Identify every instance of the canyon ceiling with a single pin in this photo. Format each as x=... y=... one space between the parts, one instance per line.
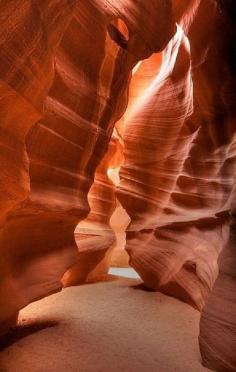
x=126 y=107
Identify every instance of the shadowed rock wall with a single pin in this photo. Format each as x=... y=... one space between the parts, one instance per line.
x=65 y=70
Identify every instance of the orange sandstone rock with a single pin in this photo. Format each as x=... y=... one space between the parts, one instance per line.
x=65 y=70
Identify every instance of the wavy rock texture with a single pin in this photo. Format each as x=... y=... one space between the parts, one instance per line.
x=218 y=320
x=179 y=167
x=179 y=172
x=94 y=235
x=142 y=75
x=30 y=33
x=65 y=71
x=89 y=75
x=217 y=326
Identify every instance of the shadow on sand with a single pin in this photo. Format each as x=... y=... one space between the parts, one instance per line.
x=23 y=330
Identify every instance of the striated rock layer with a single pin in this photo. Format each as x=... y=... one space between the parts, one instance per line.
x=94 y=236
x=218 y=320
x=67 y=71
x=84 y=52
x=29 y=36
x=179 y=167
x=217 y=325
x=179 y=172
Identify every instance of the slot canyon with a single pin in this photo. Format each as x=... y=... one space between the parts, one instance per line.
x=117 y=185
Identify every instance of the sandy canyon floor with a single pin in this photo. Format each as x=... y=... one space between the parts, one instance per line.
x=114 y=326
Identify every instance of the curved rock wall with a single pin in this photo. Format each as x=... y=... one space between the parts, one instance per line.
x=67 y=71
x=179 y=172
x=179 y=168
x=84 y=51
x=217 y=326
x=94 y=235
x=29 y=36
x=218 y=320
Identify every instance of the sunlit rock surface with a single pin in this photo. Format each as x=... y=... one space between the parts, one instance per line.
x=94 y=235
x=179 y=171
x=179 y=163
x=71 y=184
x=65 y=70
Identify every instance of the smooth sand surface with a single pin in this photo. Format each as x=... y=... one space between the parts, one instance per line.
x=113 y=326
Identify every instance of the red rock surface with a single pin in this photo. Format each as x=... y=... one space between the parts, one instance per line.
x=30 y=34
x=179 y=172
x=217 y=325
x=175 y=157
x=65 y=70
x=94 y=236
x=69 y=72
